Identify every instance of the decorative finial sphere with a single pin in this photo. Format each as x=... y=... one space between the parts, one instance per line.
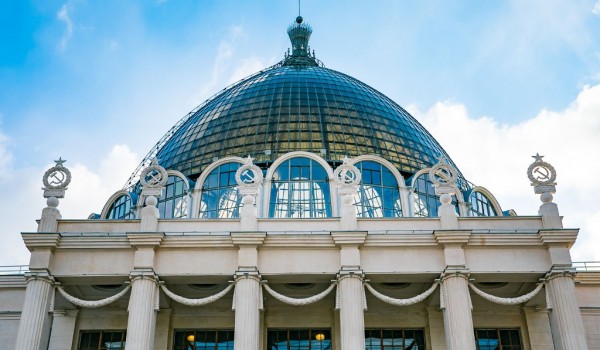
x=248 y=200
x=299 y=19
x=446 y=198
x=348 y=200
x=546 y=197
x=52 y=202
x=151 y=200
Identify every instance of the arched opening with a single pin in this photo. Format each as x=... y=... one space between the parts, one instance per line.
x=173 y=202
x=122 y=208
x=300 y=189
x=480 y=205
x=378 y=194
x=220 y=197
x=425 y=202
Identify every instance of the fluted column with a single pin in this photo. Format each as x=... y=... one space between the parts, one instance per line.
x=458 y=320
x=565 y=311
x=247 y=306
x=142 y=311
x=351 y=301
x=35 y=319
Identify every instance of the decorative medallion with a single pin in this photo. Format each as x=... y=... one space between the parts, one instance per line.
x=56 y=180
x=249 y=175
x=153 y=178
x=347 y=174
x=443 y=176
x=542 y=175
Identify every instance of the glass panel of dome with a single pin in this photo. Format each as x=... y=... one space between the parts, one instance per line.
x=220 y=198
x=378 y=194
x=173 y=202
x=299 y=190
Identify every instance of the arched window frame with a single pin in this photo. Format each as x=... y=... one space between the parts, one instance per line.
x=458 y=198
x=114 y=198
x=489 y=196
x=404 y=201
x=165 y=198
x=197 y=195
x=298 y=154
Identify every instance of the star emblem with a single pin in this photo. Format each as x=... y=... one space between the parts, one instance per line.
x=537 y=157
x=249 y=160
x=60 y=161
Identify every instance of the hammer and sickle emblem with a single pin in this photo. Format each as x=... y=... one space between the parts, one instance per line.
x=153 y=177
x=543 y=173
x=247 y=176
x=348 y=176
x=57 y=178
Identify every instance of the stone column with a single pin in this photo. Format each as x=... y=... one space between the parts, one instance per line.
x=455 y=298
x=63 y=329
x=458 y=320
x=247 y=302
x=351 y=300
x=247 y=308
x=35 y=319
x=565 y=311
x=141 y=322
x=351 y=297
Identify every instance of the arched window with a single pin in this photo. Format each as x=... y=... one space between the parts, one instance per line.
x=121 y=208
x=378 y=194
x=173 y=202
x=480 y=205
x=220 y=198
x=426 y=203
x=300 y=189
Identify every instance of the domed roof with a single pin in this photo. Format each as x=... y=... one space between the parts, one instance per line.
x=297 y=105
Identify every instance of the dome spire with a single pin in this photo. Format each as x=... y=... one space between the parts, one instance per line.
x=299 y=33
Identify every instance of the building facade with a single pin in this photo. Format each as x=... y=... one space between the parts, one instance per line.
x=300 y=209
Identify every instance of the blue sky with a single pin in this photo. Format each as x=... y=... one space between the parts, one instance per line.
x=99 y=82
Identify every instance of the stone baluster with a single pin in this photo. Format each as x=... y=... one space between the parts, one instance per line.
x=34 y=325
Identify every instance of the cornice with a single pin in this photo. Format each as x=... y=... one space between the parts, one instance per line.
x=562 y=237
x=248 y=238
x=346 y=238
x=452 y=237
x=40 y=240
x=145 y=239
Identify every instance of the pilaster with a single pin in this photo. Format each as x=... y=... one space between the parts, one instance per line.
x=63 y=329
x=538 y=328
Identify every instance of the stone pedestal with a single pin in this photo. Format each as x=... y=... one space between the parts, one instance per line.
x=352 y=318
x=565 y=314
x=142 y=312
x=247 y=307
x=35 y=318
x=458 y=319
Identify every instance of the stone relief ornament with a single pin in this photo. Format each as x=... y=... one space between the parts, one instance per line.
x=56 y=180
x=443 y=176
x=347 y=175
x=249 y=175
x=542 y=175
x=153 y=178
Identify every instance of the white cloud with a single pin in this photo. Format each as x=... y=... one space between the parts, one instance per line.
x=496 y=156
x=596 y=9
x=23 y=202
x=63 y=16
x=247 y=67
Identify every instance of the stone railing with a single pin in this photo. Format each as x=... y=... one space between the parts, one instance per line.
x=587 y=266
x=14 y=269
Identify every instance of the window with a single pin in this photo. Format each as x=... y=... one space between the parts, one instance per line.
x=220 y=198
x=299 y=339
x=102 y=340
x=498 y=339
x=173 y=202
x=394 y=339
x=300 y=190
x=480 y=205
x=203 y=339
x=121 y=208
x=426 y=202
x=378 y=194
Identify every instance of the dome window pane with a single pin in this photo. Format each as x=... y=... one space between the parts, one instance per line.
x=300 y=189
x=425 y=201
x=220 y=197
x=378 y=194
x=480 y=205
x=173 y=202
x=121 y=209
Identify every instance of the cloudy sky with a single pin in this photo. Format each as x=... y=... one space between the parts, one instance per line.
x=99 y=82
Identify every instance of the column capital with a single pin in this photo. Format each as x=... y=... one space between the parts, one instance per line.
x=455 y=271
x=452 y=237
x=248 y=238
x=349 y=272
x=145 y=239
x=562 y=238
x=560 y=271
x=349 y=238
x=148 y=274
x=41 y=274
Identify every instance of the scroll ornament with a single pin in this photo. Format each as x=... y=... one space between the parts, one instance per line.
x=299 y=301
x=402 y=302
